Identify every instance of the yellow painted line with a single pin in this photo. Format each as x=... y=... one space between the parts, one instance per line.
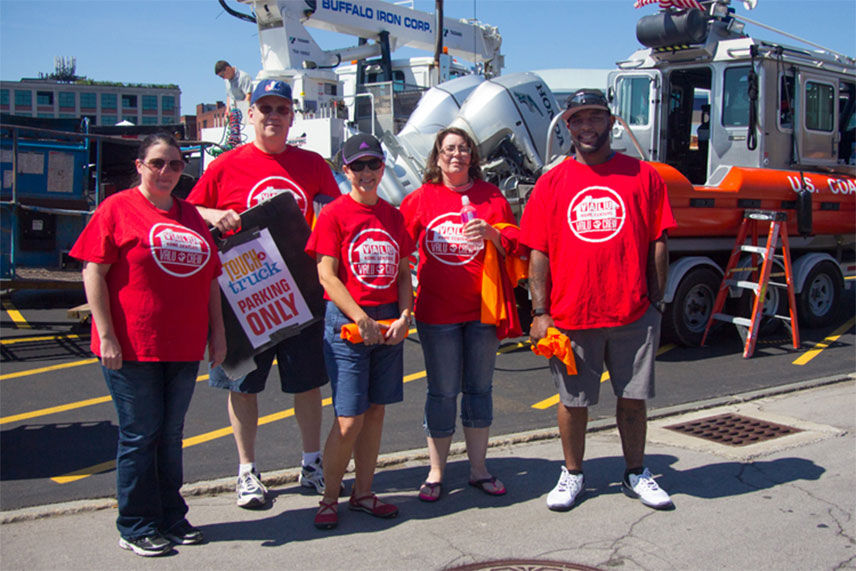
x=554 y=400
x=84 y=472
x=547 y=403
x=414 y=376
x=34 y=339
x=47 y=369
x=514 y=347
x=65 y=407
x=199 y=439
x=827 y=341
x=15 y=315
x=54 y=409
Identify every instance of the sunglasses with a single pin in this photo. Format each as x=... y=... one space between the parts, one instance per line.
x=158 y=164
x=373 y=164
x=268 y=109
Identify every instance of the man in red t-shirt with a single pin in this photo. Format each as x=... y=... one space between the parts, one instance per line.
x=236 y=181
x=597 y=227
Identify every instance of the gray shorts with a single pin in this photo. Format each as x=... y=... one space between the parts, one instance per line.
x=628 y=351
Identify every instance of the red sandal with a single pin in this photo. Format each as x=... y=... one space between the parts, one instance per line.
x=377 y=508
x=327 y=516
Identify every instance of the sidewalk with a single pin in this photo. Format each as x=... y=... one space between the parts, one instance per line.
x=785 y=504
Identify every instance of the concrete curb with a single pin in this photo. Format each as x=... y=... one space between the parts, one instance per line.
x=289 y=476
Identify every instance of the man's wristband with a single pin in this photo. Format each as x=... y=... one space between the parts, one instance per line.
x=539 y=311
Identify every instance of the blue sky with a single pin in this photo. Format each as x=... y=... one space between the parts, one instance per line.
x=178 y=41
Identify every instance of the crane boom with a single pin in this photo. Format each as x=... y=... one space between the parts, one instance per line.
x=286 y=44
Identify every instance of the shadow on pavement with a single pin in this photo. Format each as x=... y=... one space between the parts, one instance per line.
x=34 y=451
x=525 y=478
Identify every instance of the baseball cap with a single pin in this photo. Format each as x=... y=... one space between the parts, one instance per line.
x=275 y=87
x=585 y=99
x=359 y=146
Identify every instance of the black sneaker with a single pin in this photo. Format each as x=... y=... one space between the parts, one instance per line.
x=149 y=546
x=183 y=533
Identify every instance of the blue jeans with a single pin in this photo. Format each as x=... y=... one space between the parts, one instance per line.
x=459 y=358
x=151 y=399
x=362 y=375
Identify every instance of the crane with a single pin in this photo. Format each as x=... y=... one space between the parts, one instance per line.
x=287 y=45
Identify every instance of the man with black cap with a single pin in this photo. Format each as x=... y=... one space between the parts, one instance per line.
x=597 y=224
x=234 y=182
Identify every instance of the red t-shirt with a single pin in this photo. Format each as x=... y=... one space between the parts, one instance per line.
x=450 y=268
x=246 y=176
x=368 y=241
x=161 y=267
x=596 y=223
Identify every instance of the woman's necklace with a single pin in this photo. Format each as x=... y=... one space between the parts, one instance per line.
x=462 y=188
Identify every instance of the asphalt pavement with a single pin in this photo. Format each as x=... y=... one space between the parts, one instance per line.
x=786 y=503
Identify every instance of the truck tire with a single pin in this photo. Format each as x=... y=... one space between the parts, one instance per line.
x=818 y=302
x=687 y=315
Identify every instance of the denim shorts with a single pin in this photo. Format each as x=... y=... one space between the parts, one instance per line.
x=299 y=359
x=459 y=358
x=628 y=352
x=362 y=375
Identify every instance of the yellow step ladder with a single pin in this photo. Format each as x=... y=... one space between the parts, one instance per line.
x=760 y=277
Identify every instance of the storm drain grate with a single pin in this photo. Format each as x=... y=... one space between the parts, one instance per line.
x=734 y=429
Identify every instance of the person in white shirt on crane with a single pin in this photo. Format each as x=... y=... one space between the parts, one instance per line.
x=239 y=84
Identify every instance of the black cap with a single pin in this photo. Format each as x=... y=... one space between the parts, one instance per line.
x=585 y=99
x=359 y=146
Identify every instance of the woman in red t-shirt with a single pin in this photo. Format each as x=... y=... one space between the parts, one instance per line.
x=362 y=247
x=149 y=271
x=460 y=350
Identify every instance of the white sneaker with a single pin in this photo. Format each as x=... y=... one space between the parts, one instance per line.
x=312 y=476
x=644 y=487
x=251 y=491
x=563 y=496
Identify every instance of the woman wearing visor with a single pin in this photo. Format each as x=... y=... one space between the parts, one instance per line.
x=362 y=247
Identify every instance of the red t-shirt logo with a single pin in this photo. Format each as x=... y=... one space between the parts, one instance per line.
x=177 y=250
x=596 y=214
x=373 y=258
x=272 y=186
x=444 y=240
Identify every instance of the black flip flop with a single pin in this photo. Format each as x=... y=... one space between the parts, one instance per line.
x=480 y=484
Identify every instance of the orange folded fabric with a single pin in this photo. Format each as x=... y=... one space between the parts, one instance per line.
x=351 y=331
x=498 y=306
x=556 y=344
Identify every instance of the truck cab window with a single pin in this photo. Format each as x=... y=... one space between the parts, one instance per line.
x=735 y=97
x=819 y=106
x=634 y=99
x=847 y=122
x=786 y=102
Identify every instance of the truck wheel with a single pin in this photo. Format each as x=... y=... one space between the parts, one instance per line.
x=686 y=317
x=821 y=294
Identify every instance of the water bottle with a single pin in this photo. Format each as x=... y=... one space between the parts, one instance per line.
x=468 y=212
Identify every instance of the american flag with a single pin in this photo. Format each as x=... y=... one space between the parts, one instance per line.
x=679 y=4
